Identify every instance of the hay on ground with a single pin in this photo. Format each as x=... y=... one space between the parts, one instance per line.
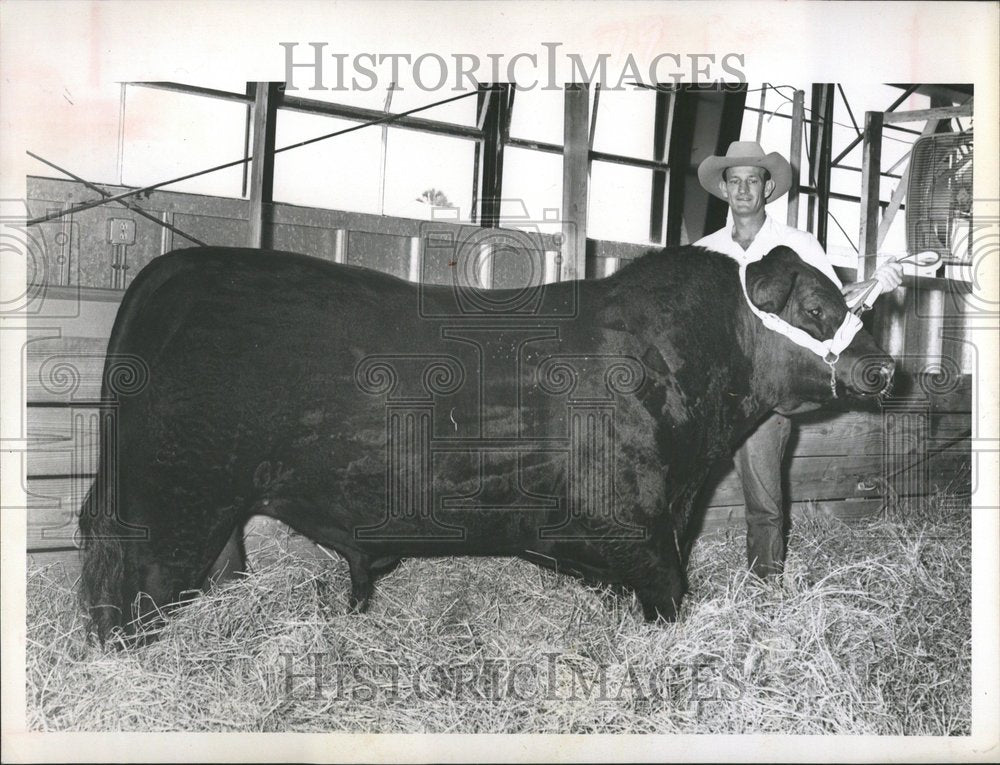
x=868 y=633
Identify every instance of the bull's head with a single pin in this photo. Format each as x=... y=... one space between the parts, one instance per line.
x=790 y=373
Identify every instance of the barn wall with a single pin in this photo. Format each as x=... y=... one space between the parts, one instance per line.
x=846 y=463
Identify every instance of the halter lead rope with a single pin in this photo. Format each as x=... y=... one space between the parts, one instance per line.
x=828 y=350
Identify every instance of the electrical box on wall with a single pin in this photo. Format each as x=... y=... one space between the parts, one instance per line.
x=121 y=231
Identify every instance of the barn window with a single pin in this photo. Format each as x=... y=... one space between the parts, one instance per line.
x=167 y=134
x=627 y=189
x=532 y=190
x=339 y=174
x=425 y=173
x=537 y=116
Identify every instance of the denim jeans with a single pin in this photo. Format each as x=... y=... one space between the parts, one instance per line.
x=759 y=463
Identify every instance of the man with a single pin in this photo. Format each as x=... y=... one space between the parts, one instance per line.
x=747 y=179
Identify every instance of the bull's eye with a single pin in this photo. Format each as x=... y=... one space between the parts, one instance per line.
x=816 y=313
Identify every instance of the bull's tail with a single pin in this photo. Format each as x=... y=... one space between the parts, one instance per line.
x=103 y=578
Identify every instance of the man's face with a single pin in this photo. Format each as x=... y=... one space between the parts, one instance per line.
x=746 y=189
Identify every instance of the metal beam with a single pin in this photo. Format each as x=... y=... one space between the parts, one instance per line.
x=847 y=105
x=658 y=192
x=891 y=308
x=906 y=94
x=854 y=142
x=899 y=193
x=822 y=130
x=870 y=178
x=825 y=166
x=495 y=126
x=262 y=162
x=955 y=93
x=576 y=172
x=383 y=154
x=810 y=191
x=815 y=104
x=361 y=114
x=761 y=111
x=795 y=157
x=938 y=113
x=884 y=174
x=600 y=156
x=593 y=116
x=482 y=103
x=772 y=113
x=194 y=90
x=247 y=135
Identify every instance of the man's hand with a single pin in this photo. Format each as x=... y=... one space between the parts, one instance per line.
x=889 y=275
x=886 y=278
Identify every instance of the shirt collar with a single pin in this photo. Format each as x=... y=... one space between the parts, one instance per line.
x=765 y=234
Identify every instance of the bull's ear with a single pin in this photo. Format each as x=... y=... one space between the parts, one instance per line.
x=770 y=283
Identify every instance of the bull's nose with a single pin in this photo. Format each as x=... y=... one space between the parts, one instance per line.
x=872 y=376
x=886 y=371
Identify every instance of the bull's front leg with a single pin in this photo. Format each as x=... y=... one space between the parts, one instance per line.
x=661 y=581
x=654 y=572
x=660 y=588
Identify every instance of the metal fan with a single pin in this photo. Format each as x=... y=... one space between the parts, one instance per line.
x=939 y=197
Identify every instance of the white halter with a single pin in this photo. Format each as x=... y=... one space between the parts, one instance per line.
x=828 y=350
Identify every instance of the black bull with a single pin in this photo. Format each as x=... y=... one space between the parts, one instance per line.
x=571 y=424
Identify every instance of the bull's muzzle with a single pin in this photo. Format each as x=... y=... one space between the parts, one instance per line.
x=872 y=376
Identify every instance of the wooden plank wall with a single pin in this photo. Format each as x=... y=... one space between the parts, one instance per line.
x=846 y=463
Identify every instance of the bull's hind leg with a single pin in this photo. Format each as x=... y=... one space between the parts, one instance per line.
x=362 y=581
x=364 y=571
x=312 y=522
x=382 y=566
x=231 y=561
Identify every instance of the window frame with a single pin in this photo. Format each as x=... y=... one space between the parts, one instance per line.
x=491 y=134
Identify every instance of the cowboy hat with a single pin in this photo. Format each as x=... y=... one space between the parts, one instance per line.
x=745 y=154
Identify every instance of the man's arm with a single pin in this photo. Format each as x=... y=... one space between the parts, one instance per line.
x=888 y=276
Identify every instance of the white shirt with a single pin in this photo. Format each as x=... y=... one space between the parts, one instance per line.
x=772 y=234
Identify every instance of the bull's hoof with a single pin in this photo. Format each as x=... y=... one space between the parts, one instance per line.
x=662 y=613
x=357 y=605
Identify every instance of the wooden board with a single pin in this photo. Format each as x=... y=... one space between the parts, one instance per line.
x=813 y=478
x=64 y=440
x=732 y=517
x=56 y=493
x=864 y=433
x=69 y=317
x=52 y=528
x=63 y=376
x=62 y=567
